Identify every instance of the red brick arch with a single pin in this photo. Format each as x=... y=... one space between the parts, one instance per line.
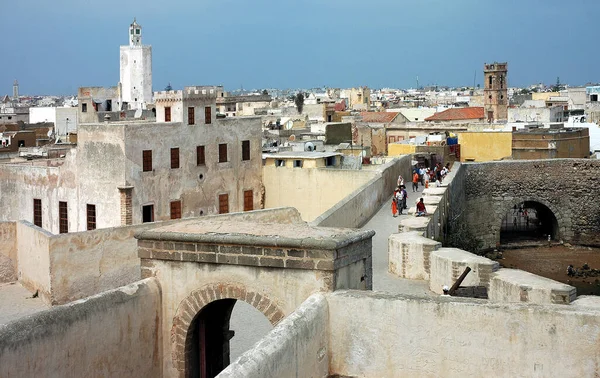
x=197 y=299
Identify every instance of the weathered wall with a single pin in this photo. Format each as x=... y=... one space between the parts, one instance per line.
x=113 y=334
x=8 y=252
x=311 y=191
x=358 y=207
x=485 y=145
x=296 y=347
x=451 y=337
x=565 y=186
x=33 y=246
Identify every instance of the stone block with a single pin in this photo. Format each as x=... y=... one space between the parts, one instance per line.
x=184 y=247
x=207 y=257
x=248 y=250
x=514 y=285
x=419 y=224
x=277 y=252
x=230 y=249
x=271 y=262
x=409 y=255
x=447 y=264
x=207 y=248
x=248 y=260
x=434 y=191
x=299 y=264
x=295 y=253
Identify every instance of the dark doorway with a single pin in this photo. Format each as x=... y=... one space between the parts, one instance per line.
x=207 y=353
x=528 y=221
x=147 y=213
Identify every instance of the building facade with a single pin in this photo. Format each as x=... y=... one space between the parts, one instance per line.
x=495 y=91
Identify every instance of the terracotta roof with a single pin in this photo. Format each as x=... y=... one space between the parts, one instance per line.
x=378 y=117
x=455 y=114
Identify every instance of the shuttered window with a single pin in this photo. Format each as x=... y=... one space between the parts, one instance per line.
x=223 y=203
x=248 y=200
x=63 y=217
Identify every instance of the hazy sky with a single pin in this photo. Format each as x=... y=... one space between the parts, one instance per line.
x=54 y=47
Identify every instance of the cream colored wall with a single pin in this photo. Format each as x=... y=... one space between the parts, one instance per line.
x=311 y=191
x=543 y=95
x=8 y=252
x=395 y=149
x=485 y=146
x=33 y=245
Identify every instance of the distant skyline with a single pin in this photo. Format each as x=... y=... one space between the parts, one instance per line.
x=55 y=47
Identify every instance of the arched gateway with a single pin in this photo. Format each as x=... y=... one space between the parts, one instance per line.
x=204 y=266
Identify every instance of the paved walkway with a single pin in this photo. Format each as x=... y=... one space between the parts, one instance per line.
x=384 y=225
x=16 y=301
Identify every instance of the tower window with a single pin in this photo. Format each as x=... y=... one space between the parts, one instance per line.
x=91 y=217
x=83 y=108
x=167 y=114
x=137 y=31
x=131 y=31
x=63 y=217
x=490 y=80
x=37 y=212
x=200 y=157
x=191 y=115
x=207 y=115
x=246 y=150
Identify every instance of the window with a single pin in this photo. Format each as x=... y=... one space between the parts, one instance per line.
x=223 y=203
x=21 y=143
x=191 y=116
x=131 y=31
x=9 y=117
x=297 y=163
x=490 y=80
x=137 y=31
x=175 y=209
x=330 y=161
x=245 y=150
x=391 y=139
x=147 y=160
x=167 y=114
x=222 y=153
x=63 y=218
x=37 y=212
x=91 y=217
x=147 y=213
x=248 y=200
x=200 y=158
x=207 y=115
x=280 y=163
x=174 y=158
x=83 y=108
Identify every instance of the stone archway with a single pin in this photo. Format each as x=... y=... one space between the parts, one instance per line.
x=563 y=218
x=181 y=340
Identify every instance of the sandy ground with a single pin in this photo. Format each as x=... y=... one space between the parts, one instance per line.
x=552 y=262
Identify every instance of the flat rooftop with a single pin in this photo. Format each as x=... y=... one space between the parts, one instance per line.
x=300 y=155
x=17 y=302
x=299 y=235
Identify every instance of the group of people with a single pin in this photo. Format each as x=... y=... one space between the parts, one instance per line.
x=419 y=175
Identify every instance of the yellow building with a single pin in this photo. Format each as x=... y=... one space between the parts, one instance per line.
x=395 y=149
x=544 y=96
x=485 y=145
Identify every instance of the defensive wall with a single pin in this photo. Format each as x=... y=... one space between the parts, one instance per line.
x=113 y=334
x=355 y=209
x=67 y=267
x=426 y=337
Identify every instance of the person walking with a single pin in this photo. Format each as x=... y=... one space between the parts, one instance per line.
x=400 y=199
x=404 y=197
x=415 y=181
x=395 y=203
x=400 y=180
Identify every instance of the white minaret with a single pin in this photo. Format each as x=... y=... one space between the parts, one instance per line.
x=136 y=70
x=16 y=91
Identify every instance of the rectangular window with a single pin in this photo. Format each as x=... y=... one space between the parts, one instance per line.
x=248 y=200
x=207 y=115
x=222 y=152
x=223 y=203
x=167 y=114
x=280 y=163
x=147 y=160
x=191 y=115
x=91 y=217
x=245 y=150
x=391 y=139
x=297 y=163
x=174 y=158
x=175 y=209
x=37 y=212
x=147 y=213
x=330 y=161
x=200 y=157
x=83 y=108
x=63 y=217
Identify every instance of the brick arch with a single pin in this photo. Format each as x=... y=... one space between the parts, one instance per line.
x=190 y=306
x=563 y=216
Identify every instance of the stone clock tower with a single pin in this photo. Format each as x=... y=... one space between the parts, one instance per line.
x=495 y=93
x=136 y=71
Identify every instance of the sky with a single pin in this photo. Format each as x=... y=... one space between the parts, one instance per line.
x=54 y=47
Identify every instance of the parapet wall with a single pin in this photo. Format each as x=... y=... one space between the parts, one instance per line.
x=458 y=337
x=360 y=205
x=113 y=334
x=8 y=252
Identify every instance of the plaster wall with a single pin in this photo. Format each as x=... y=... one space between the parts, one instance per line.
x=33 y=246
x=409 y=255
x=452 y=337
x=485 y=145
x=287 y=289
x=296 y=347
x=358 y=207
x=311 y=191
x=113 y=334
x=447 y=264
x=66 y=120
x=8 y=252
x=39 y=114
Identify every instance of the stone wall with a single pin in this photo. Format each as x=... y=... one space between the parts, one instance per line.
x=456 y=337
x=565 y=186
x=8 y=252
x=113 y=334
x=358 y=207
x=33 y=256
x=296 y=347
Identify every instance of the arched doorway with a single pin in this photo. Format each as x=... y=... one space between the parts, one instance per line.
x=201 y=332
x=528 y=221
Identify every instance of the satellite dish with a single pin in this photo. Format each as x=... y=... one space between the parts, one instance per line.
x=292 y=138
x=309 y=146
x=50 y=132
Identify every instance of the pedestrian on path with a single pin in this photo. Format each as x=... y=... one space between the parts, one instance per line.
x=404 y=197
x=415 y=180
x=395 y=203
x=400 y=181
